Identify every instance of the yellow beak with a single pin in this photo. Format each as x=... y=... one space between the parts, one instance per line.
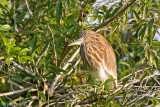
x=77 y=42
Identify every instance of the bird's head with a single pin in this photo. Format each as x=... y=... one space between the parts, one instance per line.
x=82 y=36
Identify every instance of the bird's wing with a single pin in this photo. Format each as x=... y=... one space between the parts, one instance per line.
x=109 y=60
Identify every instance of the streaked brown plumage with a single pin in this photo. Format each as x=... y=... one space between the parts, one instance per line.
x=98 y=55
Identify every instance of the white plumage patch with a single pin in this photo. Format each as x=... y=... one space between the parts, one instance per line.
x=110 y=74
x=104 y=74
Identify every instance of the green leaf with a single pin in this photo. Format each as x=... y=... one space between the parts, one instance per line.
x=27 y=78
x=142 y=32
x=150 y=25
x=8 y=60
x=12 y=42
x=5 y=40
x=59 y=8
x=5 y=28
x=42 y=95
x=24 y=58
x=48 y=76
x=23 y=51
x=56 y=69
x=3 y=100
x=59 y=11
x=136 y=16
x=124 y=73
x=109 y=99
x=17 y=80
x=139 y=63
x=2 y=57
x=153 y=102
x=143 y=76
x=27 y=58
x=106 y=83
x=109 y=80
x=158 y=100
x=144 y=12
x=10 y=56
x=155 y=62
x=155 y=44
x=125 y=63
x=72 y=20
x=15 y=49
x=71 y=30
x=66 y=21
x=117 y=52
x=16 y=100
x=107 y=87
x=33 y=45
x=147 y=53
x=47 y=62
x=29 y=32
x=32 y=90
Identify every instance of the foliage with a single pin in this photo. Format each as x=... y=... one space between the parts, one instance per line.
x=36 y=34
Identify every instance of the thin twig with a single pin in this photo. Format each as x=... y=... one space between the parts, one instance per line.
x=156 y=81
x=77 y=62
x=16 y=92
x=54 y=47
x=64 y=53
x=23 y=69
x=133 y=73
x=52 y=87
x=11 y=82
x=42 y=54
x=69 y=87
x=70 y=71
x=30 y=12
x=74 y=92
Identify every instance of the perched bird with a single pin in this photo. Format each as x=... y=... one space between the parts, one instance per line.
x=98 y=56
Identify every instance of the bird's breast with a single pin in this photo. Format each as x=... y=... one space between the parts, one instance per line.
x=92 y=53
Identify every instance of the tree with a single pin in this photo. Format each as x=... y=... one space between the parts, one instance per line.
x=37 y=61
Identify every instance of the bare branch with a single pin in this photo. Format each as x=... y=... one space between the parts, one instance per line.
x=23 y=69
x=42 y=54
x=64 y=53
x=30 y=12
x=70 y=71
x=75 y=92
x=11 y=82
x=15 y=92
x=52 y=88
x=71 y=59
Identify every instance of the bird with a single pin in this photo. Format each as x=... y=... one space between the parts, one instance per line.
x=98 y=56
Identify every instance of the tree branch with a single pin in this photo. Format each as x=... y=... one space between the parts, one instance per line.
x=52 y=87
x=29 y=11
x=64 y=53
x=16 y=92
x=42 y=54
x=23 y=69
x=114 y=17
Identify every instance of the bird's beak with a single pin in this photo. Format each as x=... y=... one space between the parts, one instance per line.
x=77 y=42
